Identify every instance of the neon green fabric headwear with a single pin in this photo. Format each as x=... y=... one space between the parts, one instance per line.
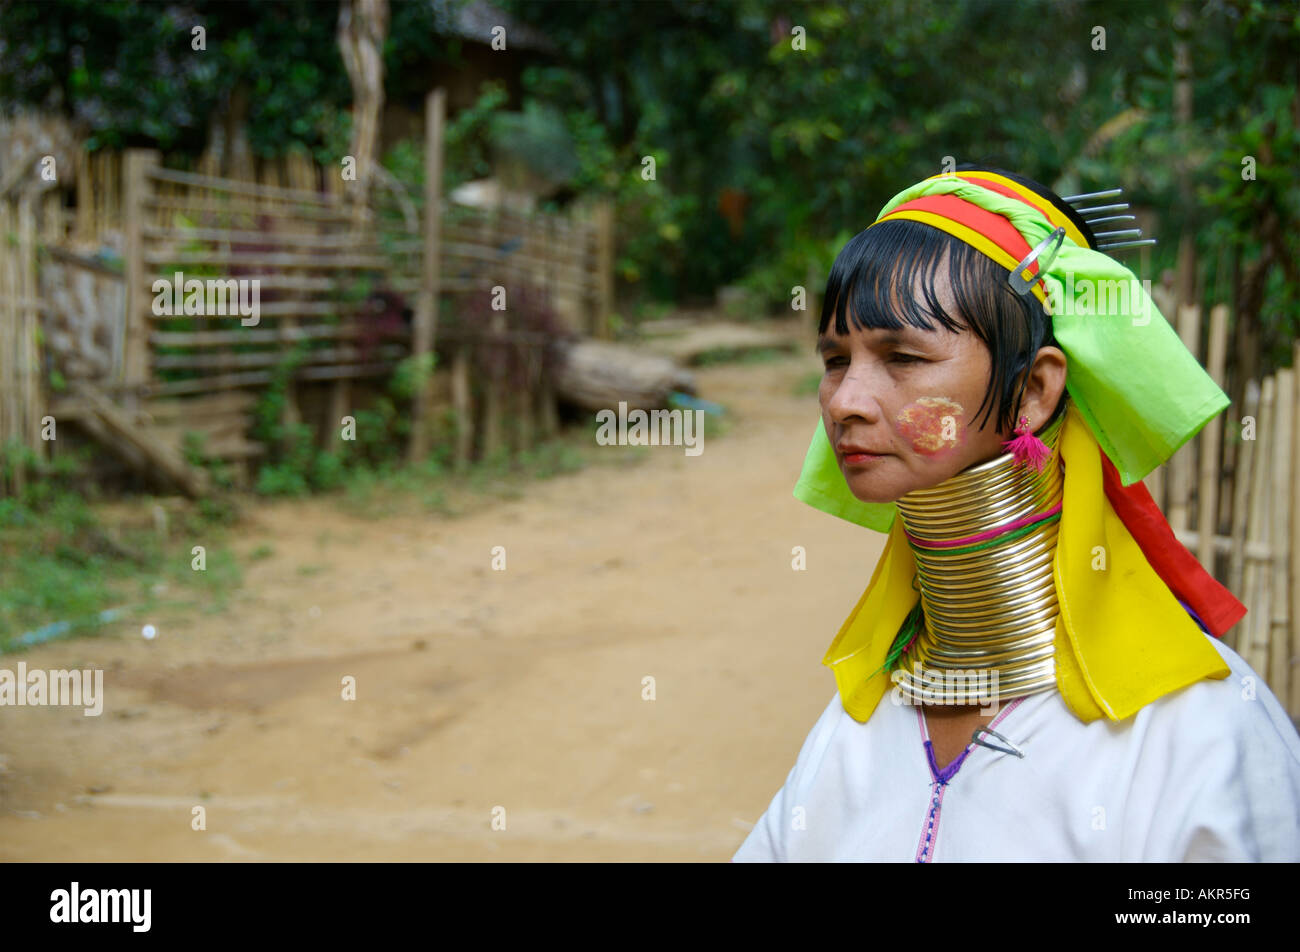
x=1138 y=388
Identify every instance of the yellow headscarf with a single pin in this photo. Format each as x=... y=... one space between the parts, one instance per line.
x=1122 y=638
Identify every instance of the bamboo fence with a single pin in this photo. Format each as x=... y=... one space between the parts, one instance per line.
x=346 y=291
x=21 y=391
x=1242 y=487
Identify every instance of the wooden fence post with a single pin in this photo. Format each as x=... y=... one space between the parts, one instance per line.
x=604 y=269
x=8 y=335
x=460 y=399
x=29 y=364
x=1293 y=704
x=136 y=371
x=426 y=309
x=1182 y=465
x=52 y=217
x=1241 y=480
x=1279 y=635
x=1155 y=483
x=1258 y=577
x=495 y=385
x=85 y=198
x=1207 y=493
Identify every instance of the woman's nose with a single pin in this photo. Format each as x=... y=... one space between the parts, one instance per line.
x=855 y=396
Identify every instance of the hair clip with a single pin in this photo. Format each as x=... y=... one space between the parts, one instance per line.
x=1098 y=214
x=1022 y=285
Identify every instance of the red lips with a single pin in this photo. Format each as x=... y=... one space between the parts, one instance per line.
x=850 y=449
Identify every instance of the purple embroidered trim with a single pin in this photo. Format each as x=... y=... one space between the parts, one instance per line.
x=940 y=780
x=930 y=831
x=947 y=773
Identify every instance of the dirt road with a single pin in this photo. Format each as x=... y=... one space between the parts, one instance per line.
x=476 y=689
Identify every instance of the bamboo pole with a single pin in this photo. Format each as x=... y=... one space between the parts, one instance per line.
x=29 y=310
x=495 y=382
x=1155 y=483
x=314 y=260
x=85 y=199
x=1279 y=637
x=9 y=390
x=604 y=269
x=115 y=185
x=1258 y=581
x=52 y=216
x=95 y=166
x=426 y=310
x=1293 y=553
x=248 y=207
x=522 y=429
x=226 y=360
x=274 y=192
x=1207 y=494
x=250 y=378
x=460 y=398
x=340 y=402
x=551 y=257
x=98 y=162
x=1182 y=465
x=1241 y=480
x=139 y=163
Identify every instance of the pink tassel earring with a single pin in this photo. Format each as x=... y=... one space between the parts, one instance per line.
x=1028 y=449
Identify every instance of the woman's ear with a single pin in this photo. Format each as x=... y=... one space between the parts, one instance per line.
x=1043 y=387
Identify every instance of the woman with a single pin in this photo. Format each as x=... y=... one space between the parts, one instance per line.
x=1034 y=671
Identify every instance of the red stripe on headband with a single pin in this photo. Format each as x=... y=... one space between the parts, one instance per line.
x=980 y=220
x=1001 y=189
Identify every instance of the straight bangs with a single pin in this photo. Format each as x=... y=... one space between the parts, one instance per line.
x=885 y=278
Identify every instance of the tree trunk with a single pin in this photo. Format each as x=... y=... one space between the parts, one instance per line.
x=363 y=27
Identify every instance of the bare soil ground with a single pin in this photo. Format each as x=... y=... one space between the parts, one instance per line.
x=475 y=688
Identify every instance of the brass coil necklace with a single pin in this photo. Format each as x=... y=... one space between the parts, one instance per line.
x=984 y=542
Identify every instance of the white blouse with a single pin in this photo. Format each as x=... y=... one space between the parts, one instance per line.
x=1208 y=773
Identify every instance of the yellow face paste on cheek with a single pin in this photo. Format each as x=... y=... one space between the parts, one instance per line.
x=933 y=425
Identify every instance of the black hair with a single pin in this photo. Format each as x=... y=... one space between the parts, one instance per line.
x=874 y=277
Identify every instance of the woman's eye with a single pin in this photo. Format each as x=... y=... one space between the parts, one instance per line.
x=833 y=362
x=907 y=358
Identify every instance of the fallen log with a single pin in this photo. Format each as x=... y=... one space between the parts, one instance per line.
x=597 y=375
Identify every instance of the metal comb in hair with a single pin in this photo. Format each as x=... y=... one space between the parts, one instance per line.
x=1101 y=214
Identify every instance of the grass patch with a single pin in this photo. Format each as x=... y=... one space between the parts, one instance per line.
x=743 y=355
x=808 y=386
x=435 y=487
x=64 y=566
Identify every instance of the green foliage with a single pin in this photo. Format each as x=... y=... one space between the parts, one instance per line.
x=129 y=70
x=297 y=466
x=815 y=140
x=411 y=375
x=193 y=450
x=60 y=564
x=804 y=143
x=796 y=261
x=467 y=139
x=746 y=355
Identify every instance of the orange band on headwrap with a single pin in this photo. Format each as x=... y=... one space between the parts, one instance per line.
x=986 y=232
x=1011 y=189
